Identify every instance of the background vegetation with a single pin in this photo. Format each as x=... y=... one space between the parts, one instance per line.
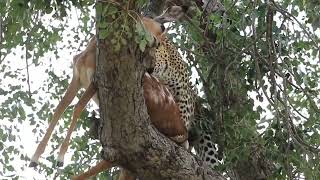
x=257 y=65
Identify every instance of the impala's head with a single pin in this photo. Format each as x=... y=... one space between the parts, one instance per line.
x=172 y=13
x=155 y=26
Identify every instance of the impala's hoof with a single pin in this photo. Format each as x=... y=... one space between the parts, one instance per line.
x=59 y=163
x=33 y=164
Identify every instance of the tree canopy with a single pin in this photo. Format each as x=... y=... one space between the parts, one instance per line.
x=255 y=64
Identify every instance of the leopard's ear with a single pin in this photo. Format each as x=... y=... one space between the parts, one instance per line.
x=172 y=13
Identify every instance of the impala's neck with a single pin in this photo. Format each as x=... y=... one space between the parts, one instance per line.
x=155 y=28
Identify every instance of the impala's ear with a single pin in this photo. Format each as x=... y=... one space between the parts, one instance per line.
x=172 y=13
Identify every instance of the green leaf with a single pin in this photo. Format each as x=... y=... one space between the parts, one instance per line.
x=142 y=45
x=10 y=168
x=103 y=33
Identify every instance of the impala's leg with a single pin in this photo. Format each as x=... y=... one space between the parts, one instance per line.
x=83 y=101
x=66 y=100
x=101 y=166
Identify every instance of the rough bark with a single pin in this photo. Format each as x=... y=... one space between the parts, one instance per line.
x=127 y=137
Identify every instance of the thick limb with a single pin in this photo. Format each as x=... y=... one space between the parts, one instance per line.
x=66 y=100
x=83 y=101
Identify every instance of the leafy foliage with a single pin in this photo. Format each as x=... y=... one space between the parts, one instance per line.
x=119 y=25
x=267 y=52
x=257 y=65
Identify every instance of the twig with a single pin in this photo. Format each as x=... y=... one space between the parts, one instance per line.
x=26 y=58
x=286 y=118
x=290 y=103
x=191 y=52
x=295 y=136
x=194 y=64
x=303 y=90
x=56 y=175
x=1 y=39
x=286 y=13
x=28 y=75
x=256 y=56
x=271 y=49
x=289 y=123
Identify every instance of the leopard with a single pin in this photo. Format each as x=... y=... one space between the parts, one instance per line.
x=172 y=70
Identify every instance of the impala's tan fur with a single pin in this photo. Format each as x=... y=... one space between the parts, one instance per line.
x=83 y=69
x=84 y=66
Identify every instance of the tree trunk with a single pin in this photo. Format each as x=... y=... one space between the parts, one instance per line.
x=127 y=136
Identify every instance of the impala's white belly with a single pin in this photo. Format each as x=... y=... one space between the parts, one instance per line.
x=85 y=80
x=86 y=77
